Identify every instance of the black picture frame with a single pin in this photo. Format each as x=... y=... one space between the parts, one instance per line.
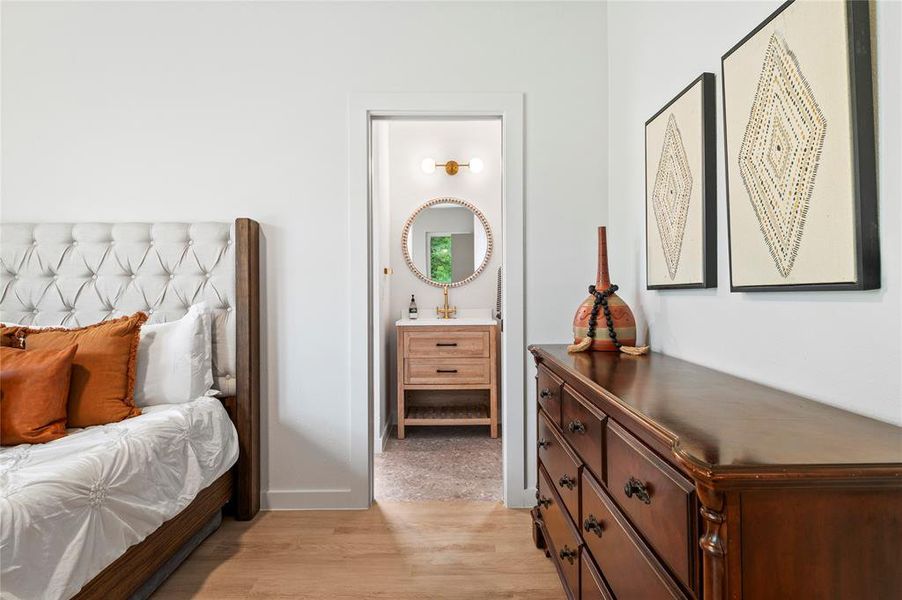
x=864 y=156
x=708 y=186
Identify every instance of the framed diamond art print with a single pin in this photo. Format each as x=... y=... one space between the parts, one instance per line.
x=681 y=191
x=800 y=151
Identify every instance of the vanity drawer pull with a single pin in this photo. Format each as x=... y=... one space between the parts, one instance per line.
x=546 y=393
x=542 y=444
x=576 y=426
x=591 y=524
x=543 y=501
x=446 y=344
x=567 y=482
x=446 y=370
x=637 y=488
x=567 y=554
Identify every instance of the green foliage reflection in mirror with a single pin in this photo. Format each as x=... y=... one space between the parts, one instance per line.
x=440 y=258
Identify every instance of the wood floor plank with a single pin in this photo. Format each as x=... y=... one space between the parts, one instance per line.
x=395 y=550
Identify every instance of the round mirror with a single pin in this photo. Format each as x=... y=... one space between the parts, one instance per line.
x=447 y=241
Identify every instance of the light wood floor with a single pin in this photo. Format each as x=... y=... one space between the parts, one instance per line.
x=396 y=550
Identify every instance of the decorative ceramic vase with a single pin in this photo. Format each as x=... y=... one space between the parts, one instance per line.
x=621 y=316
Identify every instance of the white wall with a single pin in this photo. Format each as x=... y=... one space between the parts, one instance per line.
x=384 y=320
x=842 y=348
x=191 y=111
x=412 y=141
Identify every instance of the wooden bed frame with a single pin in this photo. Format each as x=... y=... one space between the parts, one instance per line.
x=238 y=489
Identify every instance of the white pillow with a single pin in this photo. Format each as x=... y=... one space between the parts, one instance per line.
x=175 y=359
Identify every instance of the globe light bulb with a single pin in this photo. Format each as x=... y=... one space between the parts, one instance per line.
x=476 y=165
x=428 y=165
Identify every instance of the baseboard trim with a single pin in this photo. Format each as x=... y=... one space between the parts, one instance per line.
x=524 y=499
x=341 y=499
x=381 y=440
x=386 y=434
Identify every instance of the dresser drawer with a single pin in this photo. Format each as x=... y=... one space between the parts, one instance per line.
x=591 y=584
x=431 y=344
x=560 y=463
x=629 y=567
x=548 y=389
x=583 y=427
x=438 y=371
x=563 y=545
x=657 y=499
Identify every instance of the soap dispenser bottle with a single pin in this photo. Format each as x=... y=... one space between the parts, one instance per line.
x=412 y=310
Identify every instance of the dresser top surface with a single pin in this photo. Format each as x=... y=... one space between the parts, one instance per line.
x=720 y=420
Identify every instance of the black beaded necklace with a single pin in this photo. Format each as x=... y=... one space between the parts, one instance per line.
x=601 y=301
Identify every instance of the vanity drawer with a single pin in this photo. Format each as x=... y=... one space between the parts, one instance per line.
x=548 y=390
x=628 y=565
x=592 y=586
x=432 y=344
x=560 y=463
x=583 y=427
x=438 y=371
x=657 y=499
x=563 y=545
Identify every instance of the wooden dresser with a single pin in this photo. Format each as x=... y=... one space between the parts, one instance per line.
x=443 y=358
x=658 y=478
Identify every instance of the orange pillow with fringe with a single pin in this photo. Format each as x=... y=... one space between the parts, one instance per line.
x=103 y=370
x=9 y=336
x=34 y=392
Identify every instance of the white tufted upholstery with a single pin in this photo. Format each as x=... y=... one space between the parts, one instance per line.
x=77 y=274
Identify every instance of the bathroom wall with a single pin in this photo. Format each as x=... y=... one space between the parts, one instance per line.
x=409 y=142
x=383 y=319
x=841 y=348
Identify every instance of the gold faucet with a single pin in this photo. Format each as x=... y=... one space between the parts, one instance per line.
x=446 y=312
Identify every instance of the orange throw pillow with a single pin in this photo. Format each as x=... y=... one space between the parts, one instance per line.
x=9 y=337
x=103 y=371
x=34 y=392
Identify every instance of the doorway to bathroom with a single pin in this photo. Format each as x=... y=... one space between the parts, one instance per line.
x=443 y=224
x=436 y=187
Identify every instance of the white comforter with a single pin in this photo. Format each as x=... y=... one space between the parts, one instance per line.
x=70 y=507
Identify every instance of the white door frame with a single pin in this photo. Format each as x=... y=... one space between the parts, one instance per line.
x=362 y=108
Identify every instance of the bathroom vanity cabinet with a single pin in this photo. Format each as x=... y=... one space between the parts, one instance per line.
x=444 y=356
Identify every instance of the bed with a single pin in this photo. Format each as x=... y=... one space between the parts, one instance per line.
x=109 y=511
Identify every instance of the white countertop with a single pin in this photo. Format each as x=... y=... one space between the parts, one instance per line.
x=464 y=316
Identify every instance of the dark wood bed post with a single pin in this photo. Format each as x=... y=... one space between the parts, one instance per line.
x=247 y=418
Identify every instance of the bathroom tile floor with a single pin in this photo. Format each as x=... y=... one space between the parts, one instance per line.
x=440 y=463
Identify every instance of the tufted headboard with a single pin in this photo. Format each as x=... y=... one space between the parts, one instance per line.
x=75 y=274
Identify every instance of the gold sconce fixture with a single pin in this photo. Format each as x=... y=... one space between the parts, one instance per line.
x=452 y=166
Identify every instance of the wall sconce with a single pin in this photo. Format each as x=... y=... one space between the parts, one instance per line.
x=452 y=166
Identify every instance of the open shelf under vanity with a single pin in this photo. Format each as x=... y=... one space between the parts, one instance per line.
x=443 y=408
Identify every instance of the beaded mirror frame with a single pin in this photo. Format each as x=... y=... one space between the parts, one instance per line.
x=405 y=236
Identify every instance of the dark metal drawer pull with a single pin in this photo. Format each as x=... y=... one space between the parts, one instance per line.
x=636 y=487
x=448 y=344
x=542 y=444
x=568 y=554
x=592 y=525
x=567 y=482
x=446 y=370
x=576 y=426
x=544 y=502
x=546 y=393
